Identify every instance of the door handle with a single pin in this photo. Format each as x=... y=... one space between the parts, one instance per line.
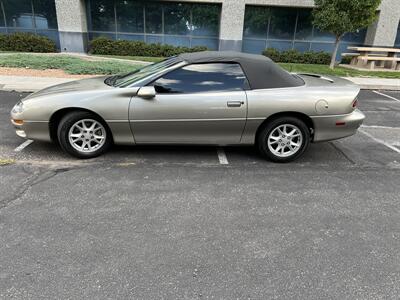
x=235 y=103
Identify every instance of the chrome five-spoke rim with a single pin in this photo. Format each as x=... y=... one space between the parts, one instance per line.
x=285 y=140
x=87 y=135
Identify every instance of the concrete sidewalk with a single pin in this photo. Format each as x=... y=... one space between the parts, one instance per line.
x=29 y=84
x=33 y=84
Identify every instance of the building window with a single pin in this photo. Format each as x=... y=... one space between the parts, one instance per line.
x=35 y=16
x=175 y=23
x=287 y=28
x=397 y=42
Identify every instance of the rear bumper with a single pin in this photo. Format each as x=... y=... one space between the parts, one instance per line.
x=328 y=128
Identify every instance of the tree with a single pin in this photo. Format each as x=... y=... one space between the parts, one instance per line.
x=342 y=16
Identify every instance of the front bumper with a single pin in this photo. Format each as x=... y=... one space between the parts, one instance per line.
x=335 y=127
x=33 y=130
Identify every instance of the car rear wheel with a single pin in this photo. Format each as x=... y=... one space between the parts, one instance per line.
x=83 y=135
x=284 y=139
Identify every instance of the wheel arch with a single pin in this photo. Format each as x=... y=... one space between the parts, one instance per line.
x=56 y=117
x=301 y=116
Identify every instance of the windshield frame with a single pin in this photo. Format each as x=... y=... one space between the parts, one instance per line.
x=132 y=79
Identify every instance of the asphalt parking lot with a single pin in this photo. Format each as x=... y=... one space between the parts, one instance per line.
x=204 y=222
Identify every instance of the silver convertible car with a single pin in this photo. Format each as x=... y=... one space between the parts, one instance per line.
x=208 y=98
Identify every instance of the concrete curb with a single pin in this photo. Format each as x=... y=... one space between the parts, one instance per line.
x=376 y=83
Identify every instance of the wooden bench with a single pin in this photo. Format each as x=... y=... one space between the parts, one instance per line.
x=353 y=57
x=370 y=61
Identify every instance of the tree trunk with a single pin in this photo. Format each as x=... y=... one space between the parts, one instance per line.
x=333 y=59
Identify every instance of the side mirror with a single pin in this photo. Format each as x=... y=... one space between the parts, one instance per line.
x=147 y=92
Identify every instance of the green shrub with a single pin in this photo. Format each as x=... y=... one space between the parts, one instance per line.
x=26 y=42
x=346 y=60
x=105 y=46
x=273 y=54
x=295 y=56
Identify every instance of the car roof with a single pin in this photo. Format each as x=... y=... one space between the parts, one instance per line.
x=260 y=70
x=206 y=56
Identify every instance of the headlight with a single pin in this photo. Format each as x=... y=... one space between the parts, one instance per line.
x=18 y=108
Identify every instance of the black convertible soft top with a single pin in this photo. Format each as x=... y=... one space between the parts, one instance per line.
x=261 y=71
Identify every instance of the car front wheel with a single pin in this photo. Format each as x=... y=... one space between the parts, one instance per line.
x=284 y=139
x=83 y=135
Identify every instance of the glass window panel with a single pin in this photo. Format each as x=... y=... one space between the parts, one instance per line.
x=18 y=13
x=304 y=25
x=256 y=21
x=210 y=43
x=154 y=39
x=131 y=37
x=102 y=15
x=93 y=35
x=355 y=37
x=205 y=20
x=153 y=18
x=323 y=36
x=130 y=16
x=283 y=21
x=280 y=45
x=197 y=78
x=397 y=42
x=12 y=30
x=2 y=24
x=177 y=41
x=45 y=14
x=325 y=47
x=302 y=46
x=253 y=46
x=51 y=34
x=177 y=18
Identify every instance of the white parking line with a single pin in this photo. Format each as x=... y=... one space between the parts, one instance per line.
x=379 y=127
x=23 y=145
x=380 y=141
x=223 y=160
x=387 y=96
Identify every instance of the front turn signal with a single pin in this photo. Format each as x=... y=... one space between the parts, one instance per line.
x=17 y=122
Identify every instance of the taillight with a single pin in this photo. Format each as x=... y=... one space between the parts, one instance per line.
x=355 y=103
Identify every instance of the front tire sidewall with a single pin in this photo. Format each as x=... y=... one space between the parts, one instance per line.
x=266 y=131
x=63 y=135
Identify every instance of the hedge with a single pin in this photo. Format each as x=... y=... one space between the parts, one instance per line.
x=295 y=56
x=105 y=46
x=26 y=42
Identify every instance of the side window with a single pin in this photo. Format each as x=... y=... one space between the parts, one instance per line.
x=197 y=78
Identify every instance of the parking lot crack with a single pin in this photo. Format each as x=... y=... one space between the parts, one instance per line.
x=33 y=180
x=343 y=153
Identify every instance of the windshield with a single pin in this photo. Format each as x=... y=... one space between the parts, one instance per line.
x=130 y=78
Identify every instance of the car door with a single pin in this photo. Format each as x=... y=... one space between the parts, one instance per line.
x=197 y=103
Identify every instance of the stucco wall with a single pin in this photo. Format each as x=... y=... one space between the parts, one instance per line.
x=72 y=25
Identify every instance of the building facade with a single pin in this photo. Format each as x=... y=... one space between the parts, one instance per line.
x=241 y=25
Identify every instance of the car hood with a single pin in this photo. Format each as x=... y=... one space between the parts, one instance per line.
x=96 y=83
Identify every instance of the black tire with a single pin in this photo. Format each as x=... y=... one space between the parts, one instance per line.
x=270 y=127
x=63 y=134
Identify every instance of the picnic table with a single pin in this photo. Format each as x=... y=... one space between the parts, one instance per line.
x=370 y=57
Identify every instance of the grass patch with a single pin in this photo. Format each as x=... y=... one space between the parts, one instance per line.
x=6 y=161
x=338 y=71
x=138 y=58
x=81 y=66
x=70 y=64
